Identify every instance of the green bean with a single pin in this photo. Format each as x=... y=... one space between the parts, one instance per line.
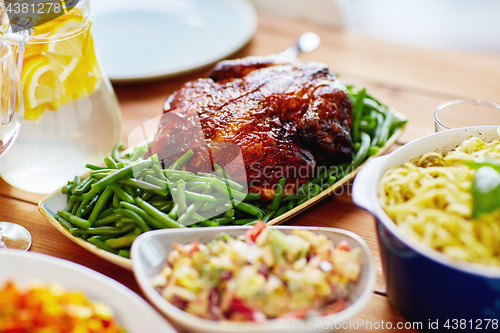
x=124 y=221
x=151 y=221
x=94 y=167
x=219 y=186
x=128 y=227
x=102 y=238
x=159 y=174
x=139 y=220
x=184 y=218
x=198 y=187
x=244 y=221
x=155 y=213
x=101 y=203
x=372 y=151
x=252 y=196
x=86 y=209
x=221 y=172
x=356 y=114
x=231 y=183
x=332 y=180
x=155 y=181
x=130 y=191
x=124 y=253
x=208 y=223
x=138 y=153
x=78 y=197
x=144 y=186
x=268 y=216
x=386 y=127
x=212 y=205
x=378 y=130
x=173 y=214
x=156 y=161
x=229 y=213
x=182 y=160
x=108 y=219
x=146 y=195
x=69 y=205
x=116 y=153
x=84 y=186
x=67 y=189
x=68 y=226
x=250 y=209
x=121 y=193
x=194 y=196
x=223 y=220
x=178 y=174
x=120 y=174
x=304 y=189
x=180 y=195
x=99 y=176
x=397 y=123
x=120 y=165
x=291 y=204
x=73 y=219
x=76 y=208
x=281 y=211
x=100 y=244
x=278 y=194
x=106 y=212
x=164 y=207
x=361 y=154
x=110 y=163
x=116 y=200
x=97 y=231
x=124 y=241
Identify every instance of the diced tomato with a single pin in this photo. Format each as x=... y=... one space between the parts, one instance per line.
x=343 y=245
x=256 y=230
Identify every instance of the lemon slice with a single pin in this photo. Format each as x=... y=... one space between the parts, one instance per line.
x=71 y=46
x=65 y=54
x=41 y=84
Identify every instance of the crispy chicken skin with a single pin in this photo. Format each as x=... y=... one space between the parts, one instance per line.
x=285 y=115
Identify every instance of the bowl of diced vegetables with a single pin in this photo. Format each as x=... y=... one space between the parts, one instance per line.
x=254 y=278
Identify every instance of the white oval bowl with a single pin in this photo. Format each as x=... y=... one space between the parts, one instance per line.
x=149 y=254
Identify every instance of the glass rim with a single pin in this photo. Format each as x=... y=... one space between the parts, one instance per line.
x=458 y=101
x=47 y=39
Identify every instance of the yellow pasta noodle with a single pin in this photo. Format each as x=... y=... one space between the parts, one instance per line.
x=430 y=200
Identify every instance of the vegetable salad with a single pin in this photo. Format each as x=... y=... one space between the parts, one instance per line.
x=260 y=275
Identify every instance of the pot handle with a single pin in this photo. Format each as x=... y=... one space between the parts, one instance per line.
x=366 y=182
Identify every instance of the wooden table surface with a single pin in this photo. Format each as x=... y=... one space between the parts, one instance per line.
x=412 y=80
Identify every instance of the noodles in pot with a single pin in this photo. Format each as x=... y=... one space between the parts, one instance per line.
x=430 y=199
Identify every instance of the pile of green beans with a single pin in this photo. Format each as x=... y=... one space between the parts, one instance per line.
x=127 y=197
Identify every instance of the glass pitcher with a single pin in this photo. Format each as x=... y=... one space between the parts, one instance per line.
x=71 y=113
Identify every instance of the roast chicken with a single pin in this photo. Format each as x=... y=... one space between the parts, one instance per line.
x=285 y=116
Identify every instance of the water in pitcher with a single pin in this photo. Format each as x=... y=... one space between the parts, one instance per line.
x=71 y=114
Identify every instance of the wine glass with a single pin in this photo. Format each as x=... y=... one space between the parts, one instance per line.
x=466 y=112
x=12 y=235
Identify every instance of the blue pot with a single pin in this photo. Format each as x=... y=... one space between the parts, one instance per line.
x=425 y=285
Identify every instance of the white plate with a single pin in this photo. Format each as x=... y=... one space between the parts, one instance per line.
x=131 y=311
x=149 y=254
x=148 y=39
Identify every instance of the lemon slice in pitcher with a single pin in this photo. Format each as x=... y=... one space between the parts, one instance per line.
x=65 y=54
x=41 y=84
